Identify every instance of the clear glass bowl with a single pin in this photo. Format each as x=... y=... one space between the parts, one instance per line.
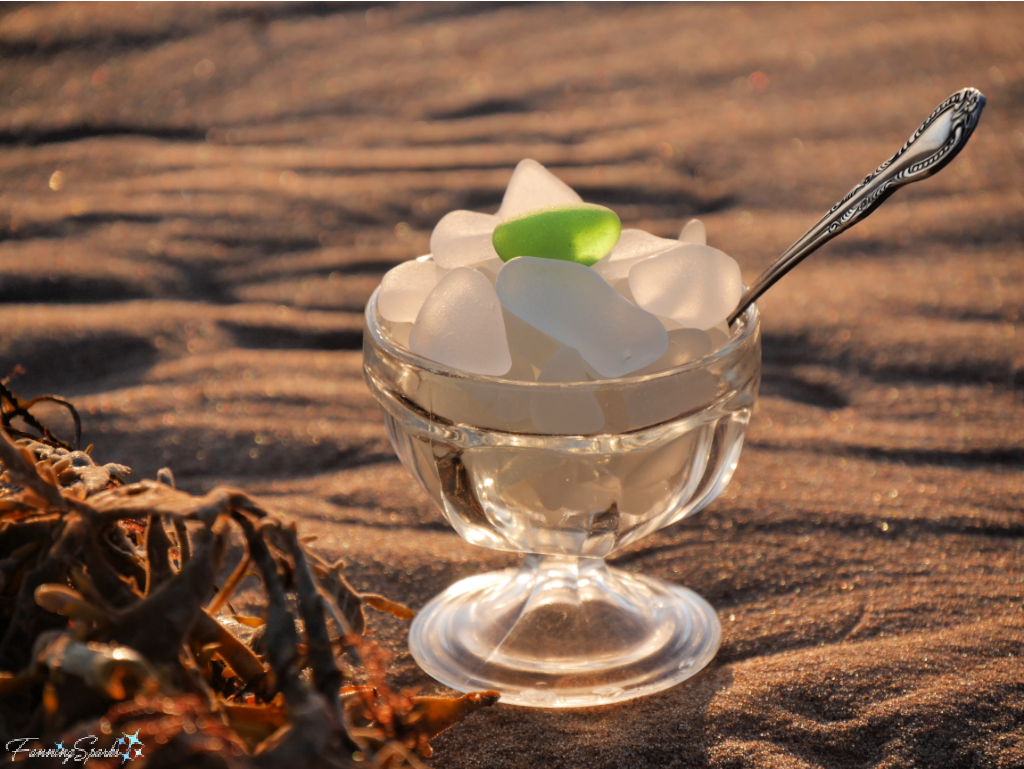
x=631 y=456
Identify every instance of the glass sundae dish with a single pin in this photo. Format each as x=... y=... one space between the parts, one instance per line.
x=542 y=416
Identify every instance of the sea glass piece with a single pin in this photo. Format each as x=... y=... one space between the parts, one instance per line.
x=510 y=406
x=534 y=186
x=685 y=345
x=529 y=342
x=522 y=370
x=669 y=324
x=582 y=233
x=622 y=287
x=490 y=267
x=400 y=333
x=633 y=246
x=694 y=232
x=696 y=286
x=460 y=325
x=719 y=335
x=662 y=399
x=565 y=412
x=574 y=305
x=404 y=289
x=463 y=238
x=657 y=472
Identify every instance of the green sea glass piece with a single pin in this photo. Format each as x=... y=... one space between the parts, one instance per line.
x=581 y=233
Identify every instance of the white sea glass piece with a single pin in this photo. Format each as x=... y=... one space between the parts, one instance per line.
x=463 y=238
x=622 y=287
x=694 y=232
x=449 y=400
x=404 y=289
x=565 y=366
x=529 y=342
x=460 y=325
x=555 y=497
x=471 y=402
x=400 y=333
x=665 y=398
x=719 y=335
x=563 y=412
x=490 y=268
x=633 y=246
x=522 y=370
x=696 y=286
x=536 y=482
x=656 y=471
x=685 y=345
x=534 y=186
x=668 y=323
x=510 y=405
x=574 y=305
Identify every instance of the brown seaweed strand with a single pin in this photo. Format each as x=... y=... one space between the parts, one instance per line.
x=66 y=404
x=348 y=604
x=386 y=605
x=192 y=677
x=184 y=546
x=158 y=626
x=139 y=500
x=29 y=619
x=240 y=657
x=120 y=553
x=11 y=564
x=281 y=639
x=111 y=585
x=158 y=562
x=20 y=465
x=83 y=584
x=18 y=409
x=231 y=585
x=327 y=678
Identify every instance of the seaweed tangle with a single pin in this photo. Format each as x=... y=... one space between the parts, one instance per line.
x=115 y=639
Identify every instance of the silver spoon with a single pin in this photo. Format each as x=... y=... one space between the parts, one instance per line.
x=932 y=146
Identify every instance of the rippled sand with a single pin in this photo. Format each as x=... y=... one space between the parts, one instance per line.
x=196 y=202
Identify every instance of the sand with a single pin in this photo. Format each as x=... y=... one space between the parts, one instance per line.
x=196 y=202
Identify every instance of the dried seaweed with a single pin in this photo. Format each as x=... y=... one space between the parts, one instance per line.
x=11 y=408
x=111 y=625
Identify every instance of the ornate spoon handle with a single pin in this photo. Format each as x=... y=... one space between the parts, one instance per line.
x=932 y=146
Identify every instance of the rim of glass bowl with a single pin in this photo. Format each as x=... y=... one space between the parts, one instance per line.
x=748 y=324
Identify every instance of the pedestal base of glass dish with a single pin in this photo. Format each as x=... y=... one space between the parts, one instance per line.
x=564 y=632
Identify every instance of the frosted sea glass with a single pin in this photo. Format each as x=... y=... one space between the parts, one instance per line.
x=573 y=304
